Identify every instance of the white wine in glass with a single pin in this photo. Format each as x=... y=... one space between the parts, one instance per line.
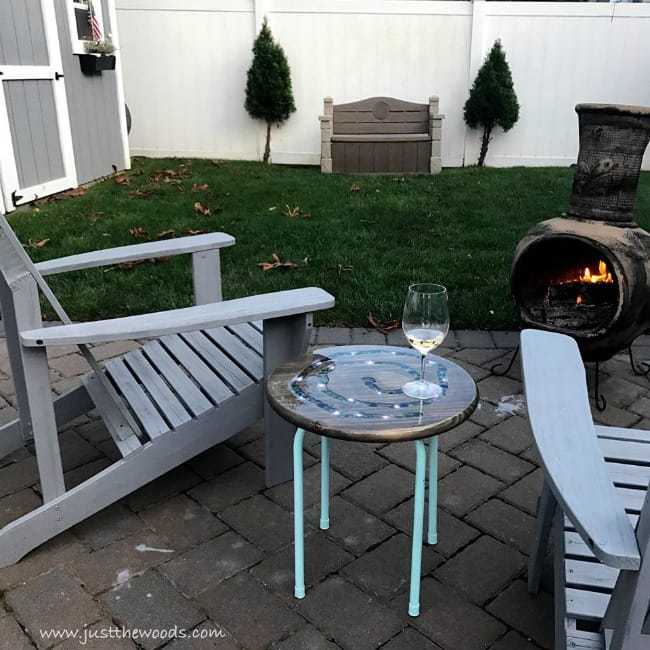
x=425 y=323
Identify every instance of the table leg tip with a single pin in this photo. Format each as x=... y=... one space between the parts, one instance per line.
x=414 y=610
x=324 y=524
x=299 y=592
x=432 y=540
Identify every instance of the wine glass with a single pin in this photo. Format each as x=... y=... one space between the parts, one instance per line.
x=425 y=323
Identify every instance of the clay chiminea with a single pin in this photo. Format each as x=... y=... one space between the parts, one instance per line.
x=587 y=274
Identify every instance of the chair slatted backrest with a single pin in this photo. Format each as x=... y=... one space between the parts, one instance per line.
x=381 y=115
x=560 y=417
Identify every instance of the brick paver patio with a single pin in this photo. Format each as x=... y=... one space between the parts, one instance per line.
x=208 y=546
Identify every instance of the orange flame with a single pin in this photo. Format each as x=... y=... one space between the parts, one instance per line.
x=603 y=275
x=589 y=277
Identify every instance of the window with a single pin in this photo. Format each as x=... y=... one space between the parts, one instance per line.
x=86 y=23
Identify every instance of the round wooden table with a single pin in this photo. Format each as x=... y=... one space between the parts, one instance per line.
x=355 y=393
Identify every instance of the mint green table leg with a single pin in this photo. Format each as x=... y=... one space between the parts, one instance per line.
x=432 y=536
x=298 y=515
x=418 y=526
x=324 y=483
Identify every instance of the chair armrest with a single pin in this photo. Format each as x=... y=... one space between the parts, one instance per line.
x=269 y=305
x=150 y=250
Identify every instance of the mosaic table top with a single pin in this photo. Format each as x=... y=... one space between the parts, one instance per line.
x=355 y=393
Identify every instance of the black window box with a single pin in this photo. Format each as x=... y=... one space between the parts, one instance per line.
x=93 y=64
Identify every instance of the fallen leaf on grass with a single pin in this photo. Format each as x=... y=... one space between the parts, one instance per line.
x=122 y=179
x=77 y=191
x=166 y=234
x=38 y=243
x=138 y=232
x=191 y=231
x=140 y=194
x=292 y=213
x=295 y=213
x=355 y=187
x=277 y=263
x=383 y=326
x=169 y=175
x=200 y=187
x=340 y=269
x=201 y=209
x=127 y=266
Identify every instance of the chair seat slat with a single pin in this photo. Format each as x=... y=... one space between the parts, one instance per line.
x=618 y=433
x=158 y=389
x=197 y=369
x=578 y=640
x=249 y=335
x=236 y=349
x=196 y=402
x=111 y=415
x=625 y=451
x=589 y=605
x=574 y=546
x=627 y=475
x=144 y=409
x=230 y=372
x=631 y=499
x=589 y=574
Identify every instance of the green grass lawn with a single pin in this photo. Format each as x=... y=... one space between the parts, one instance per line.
x=364 y=239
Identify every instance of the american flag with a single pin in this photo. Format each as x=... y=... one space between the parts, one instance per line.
x=95 y=29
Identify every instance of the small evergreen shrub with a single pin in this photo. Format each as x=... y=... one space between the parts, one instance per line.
x=269 y=96
x=492 y=100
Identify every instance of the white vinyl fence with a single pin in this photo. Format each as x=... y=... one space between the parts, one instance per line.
x=185 y=65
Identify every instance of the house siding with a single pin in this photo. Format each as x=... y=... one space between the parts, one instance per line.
x=93 y=108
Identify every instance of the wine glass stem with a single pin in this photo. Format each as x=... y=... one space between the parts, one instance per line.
x=422 y=360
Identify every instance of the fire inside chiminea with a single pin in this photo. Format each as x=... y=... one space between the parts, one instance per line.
x=588 y=274
x=572 y=289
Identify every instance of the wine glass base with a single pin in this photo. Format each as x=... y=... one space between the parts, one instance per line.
x=422 y=389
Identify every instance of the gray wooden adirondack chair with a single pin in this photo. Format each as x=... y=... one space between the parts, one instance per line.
x=595 y=500
x=197 y=383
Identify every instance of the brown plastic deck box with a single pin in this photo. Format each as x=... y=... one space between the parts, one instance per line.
x=381 y=135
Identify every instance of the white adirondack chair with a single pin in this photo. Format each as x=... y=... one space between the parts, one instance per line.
x=596 y=501
x=197 y=383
